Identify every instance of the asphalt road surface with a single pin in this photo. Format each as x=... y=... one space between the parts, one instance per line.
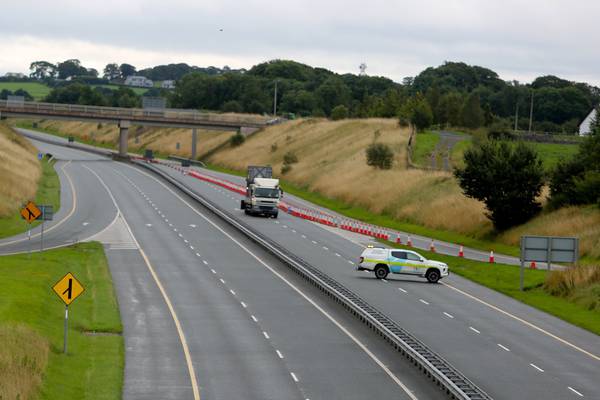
x=206 y=312
x=509 y=349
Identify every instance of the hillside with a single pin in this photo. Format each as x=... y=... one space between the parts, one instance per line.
x=161 y=140
x=332 y=162
x=19 y=171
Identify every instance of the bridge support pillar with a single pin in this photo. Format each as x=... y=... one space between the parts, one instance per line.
x=123 y=137
x=194 y=139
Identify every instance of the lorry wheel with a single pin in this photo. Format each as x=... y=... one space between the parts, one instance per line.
x=432 y=275
x=246 y=211
x=243 y=205
x=381 y=271
x=275 y=215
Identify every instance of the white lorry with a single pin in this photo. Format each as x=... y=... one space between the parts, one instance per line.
x=262 y=192
x=396 y=261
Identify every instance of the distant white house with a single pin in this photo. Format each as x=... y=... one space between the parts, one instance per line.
x=169 y=84
x=585 y=128
x=139 y=81
x=15 y=75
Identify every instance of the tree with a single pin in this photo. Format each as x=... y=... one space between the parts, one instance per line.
x=418 y=112
x=339 y=112
x=112 y=71
x=92 y=72
x=472 y=115
x=42 y=69
x=577 y=181
x=380 y=155
x=126 y=70
x=507 y=177
x=331 y=93
x=70 y=68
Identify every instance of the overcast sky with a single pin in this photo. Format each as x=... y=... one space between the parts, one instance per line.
x=396 y=38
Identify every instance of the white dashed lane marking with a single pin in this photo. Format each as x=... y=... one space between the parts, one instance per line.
x=279 y=354
x=423 y=301
x=294 y=377
x=575 y=391
x=448 y=315
x=536 y=367
x=503 y=347
x=254 y=318
x=266 y=335
x=474 y=330
x=402 y=290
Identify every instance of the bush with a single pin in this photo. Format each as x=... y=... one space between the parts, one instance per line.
x=339 y=112
x=380 y=155
x=232 y=106
x=237 y=139
x=290 y=158
x=285 y=169
x=506 y=177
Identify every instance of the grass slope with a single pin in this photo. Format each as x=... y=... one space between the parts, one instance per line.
x=23 y=177
x=93 y=367
x=37 y=90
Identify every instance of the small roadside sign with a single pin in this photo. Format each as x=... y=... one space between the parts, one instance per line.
x=30 y=212
x=68 y=288
x=47 y=212
x=40 y=156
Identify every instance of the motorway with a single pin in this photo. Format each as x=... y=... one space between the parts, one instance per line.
x=509 y=349
x=206 y=312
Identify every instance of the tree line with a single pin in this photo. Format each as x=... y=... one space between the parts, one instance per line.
x=454 y=94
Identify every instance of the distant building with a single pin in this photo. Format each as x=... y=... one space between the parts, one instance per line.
x=15 y=75
x=585 y=128
x=168 y=85
x=139 y=81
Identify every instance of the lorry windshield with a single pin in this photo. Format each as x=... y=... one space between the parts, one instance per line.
x=267 y=192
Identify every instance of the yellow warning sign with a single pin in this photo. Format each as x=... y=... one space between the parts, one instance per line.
x=30 y=212
x=68 y=288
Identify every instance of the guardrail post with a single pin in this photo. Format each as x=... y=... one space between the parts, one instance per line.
x=123 y=137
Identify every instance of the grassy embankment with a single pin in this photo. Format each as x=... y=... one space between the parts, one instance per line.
x=332 y=171
x=23 y=177
x=32 y=364
x=163 y=141
x=37 y=90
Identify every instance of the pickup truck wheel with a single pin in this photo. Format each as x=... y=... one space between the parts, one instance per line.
x=381 y=271
x=433 y=275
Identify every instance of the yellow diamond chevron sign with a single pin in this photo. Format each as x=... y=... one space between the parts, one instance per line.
x=68 y=288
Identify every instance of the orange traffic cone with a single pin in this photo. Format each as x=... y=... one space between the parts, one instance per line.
x=432 y=246
x=409 y=242
x=532 y=266
x=461 y=252
x=492 y=257
x=398 y=240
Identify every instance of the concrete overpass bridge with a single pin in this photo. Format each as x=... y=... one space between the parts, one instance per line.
x=125 y=117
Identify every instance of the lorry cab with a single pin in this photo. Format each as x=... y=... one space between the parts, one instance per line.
x=262 y=192
x=382 y=261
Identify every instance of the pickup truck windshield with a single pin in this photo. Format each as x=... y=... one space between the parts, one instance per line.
x=266 y=192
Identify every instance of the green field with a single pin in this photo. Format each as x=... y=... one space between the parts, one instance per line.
x=93 y=366
x=48 y=193
x=137 y=90
x=35 y=89
x=552 y=153
x=505 y=279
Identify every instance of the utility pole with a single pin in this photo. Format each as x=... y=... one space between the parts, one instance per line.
x=517 y=117
x=275 y=101
x=531 y=112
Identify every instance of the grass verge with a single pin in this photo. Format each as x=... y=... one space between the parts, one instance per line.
x=37 y=90
x=93 y=366
x=424 y=147
x=48 y=192
x=505 y=279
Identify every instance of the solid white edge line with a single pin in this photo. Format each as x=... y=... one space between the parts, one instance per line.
x=182 y=339
x=361 y=345
x=529 y=324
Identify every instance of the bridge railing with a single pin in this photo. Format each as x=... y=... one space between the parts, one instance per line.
x=128 y=113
